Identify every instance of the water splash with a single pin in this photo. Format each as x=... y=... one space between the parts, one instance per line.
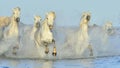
x=67 y=40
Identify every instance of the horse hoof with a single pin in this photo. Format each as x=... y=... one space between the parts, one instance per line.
x=46 y=52
x=54 y=53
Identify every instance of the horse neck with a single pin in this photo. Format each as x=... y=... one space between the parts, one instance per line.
x=84 y=28
x=84 y=31
x=45 y=26
x=13 y=23
x=13 y=28
x=34 y=29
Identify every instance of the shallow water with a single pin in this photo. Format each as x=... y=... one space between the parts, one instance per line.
x=104 y=62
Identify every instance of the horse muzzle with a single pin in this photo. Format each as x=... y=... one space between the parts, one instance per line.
x=88 y=18
x=17 y=19
x=37 y=25
x=53 y=41
x=109 y=30
x=51 y=27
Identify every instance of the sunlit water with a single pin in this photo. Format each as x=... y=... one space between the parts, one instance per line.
x=105 y=62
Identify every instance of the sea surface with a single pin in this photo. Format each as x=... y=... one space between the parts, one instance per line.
x=102 y=62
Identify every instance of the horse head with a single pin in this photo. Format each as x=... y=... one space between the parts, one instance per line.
x=46 y=34
x=16 y=14
x=37 y=20
x=85 y=17
x=51 y=17
x=108 y=27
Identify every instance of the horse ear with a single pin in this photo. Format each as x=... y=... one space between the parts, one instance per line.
x=54 y=14
x=40 y=17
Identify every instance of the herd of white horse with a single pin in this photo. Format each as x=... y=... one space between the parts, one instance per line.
x=41 y=32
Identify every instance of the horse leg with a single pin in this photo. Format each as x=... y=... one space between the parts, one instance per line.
x=15 y=49
x=54 y=53
x=46 y=49
x=90 y=49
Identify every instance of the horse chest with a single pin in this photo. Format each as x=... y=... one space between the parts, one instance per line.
x=13 y=31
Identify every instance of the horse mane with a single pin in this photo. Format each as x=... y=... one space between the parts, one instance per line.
x=45 y=25
x=38 y=33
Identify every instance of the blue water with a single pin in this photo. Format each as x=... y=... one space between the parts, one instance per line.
x=104 y=62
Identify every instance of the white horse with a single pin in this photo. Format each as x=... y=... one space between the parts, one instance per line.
x=108 y=28
x=13 y=29
x=107 y=31
x=43 y=37
x=78 y=41
x=84 y=26
x=37 y=20
x=83 y=38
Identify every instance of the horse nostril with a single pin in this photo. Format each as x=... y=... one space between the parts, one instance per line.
x=53 y=41
x=18 y=19
x=50 y=26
